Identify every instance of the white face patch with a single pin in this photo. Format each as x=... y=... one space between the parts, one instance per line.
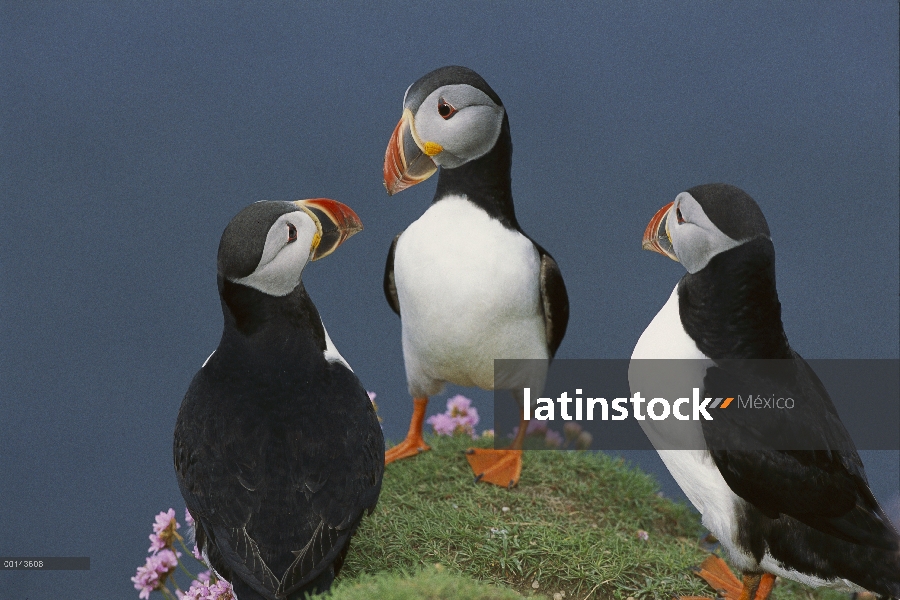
x=282 y=262
x=469 y=133
x=696 y=240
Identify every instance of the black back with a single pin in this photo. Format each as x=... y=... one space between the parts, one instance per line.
x=811 y=509
x=278 y=452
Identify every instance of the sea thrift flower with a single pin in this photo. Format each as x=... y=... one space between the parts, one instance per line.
x=553 y=439
x=188 y=519
x=571 y=431
x=164 y=534
x=443 y=424
x=154 y=572
x=204 y=590
x=535 y=428
x=643 y=535
x=583 y=442
x=459 y=418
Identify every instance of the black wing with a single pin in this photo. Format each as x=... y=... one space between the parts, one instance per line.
x=800 y=462
x=554 y=298
x=390 y=287
x=239 y=487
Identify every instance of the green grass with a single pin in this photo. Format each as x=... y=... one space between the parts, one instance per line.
x=571 y=527
x=428 y=584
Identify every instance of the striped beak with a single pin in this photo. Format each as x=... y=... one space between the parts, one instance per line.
x=336 y=222
x=406 y=161
x=656 y=235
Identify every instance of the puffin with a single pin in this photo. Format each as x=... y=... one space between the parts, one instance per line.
x=784 y=491
x=278 y=451
x=468 y=284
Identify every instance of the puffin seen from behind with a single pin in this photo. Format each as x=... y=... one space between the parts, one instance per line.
x=784 y=491
x=468 y=284
x=278 y=450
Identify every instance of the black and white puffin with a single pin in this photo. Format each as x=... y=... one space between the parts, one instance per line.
x=805 y=513
x=278 y=450
x=468 y=284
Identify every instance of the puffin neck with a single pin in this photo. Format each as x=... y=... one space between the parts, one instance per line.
x=730 y=308
x=485 y=181
x=253 y=315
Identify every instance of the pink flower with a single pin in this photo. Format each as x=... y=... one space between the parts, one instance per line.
x=188 y=518
x=553 y=439
x=372 y=396
x=458 y=405
x=196 y=553
x=164 y=533
x=643 y=535
x=571 y=431
x=154 y=572
x=201 y=589
x=535 y=427
x=443 y=424
x=459 y=418
x=583 y=441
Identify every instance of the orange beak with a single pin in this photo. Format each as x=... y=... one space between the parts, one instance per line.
x=405 y=162
x=656 y=235
x=337 y=222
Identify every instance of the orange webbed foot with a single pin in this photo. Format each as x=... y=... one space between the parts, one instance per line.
x=500 y=467
x=716 y=573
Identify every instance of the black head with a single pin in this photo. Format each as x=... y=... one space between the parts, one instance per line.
x=446 y=76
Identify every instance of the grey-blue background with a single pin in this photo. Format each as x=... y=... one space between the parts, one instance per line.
x=132 y=133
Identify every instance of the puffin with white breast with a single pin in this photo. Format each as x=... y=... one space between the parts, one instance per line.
x=278 y=450
x=468 y=284
x=784 y=491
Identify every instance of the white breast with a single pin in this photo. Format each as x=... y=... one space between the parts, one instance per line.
x=657 y=351
x=694 y=470
x=469 y=293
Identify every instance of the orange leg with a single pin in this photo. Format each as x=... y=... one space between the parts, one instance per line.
x=500 y=467
x=755 y=586
x=414 y=443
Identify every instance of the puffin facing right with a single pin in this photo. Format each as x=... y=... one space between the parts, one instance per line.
x=804 y=514
x=278 y=451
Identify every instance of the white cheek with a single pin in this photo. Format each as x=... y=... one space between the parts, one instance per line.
x=282 y=264
x=282 y=274
x=473 y=132
x=695 y=246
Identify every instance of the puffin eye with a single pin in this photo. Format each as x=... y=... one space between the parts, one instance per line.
x=678 y=215
x=445 y=109
x=292 y=233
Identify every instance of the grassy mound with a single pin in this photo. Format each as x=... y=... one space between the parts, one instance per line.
x=571 y=528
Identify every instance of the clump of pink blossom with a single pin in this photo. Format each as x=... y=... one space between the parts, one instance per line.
x=203 y=589
x=460 y=418
x=164 y=560
x=164 y=534
x=572 y=435
x=152 y=576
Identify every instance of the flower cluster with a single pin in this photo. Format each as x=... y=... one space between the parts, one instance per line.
x=152 y=576
x=202 y=589
x=459 y=419
x=164 y=560
x=572 y=436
